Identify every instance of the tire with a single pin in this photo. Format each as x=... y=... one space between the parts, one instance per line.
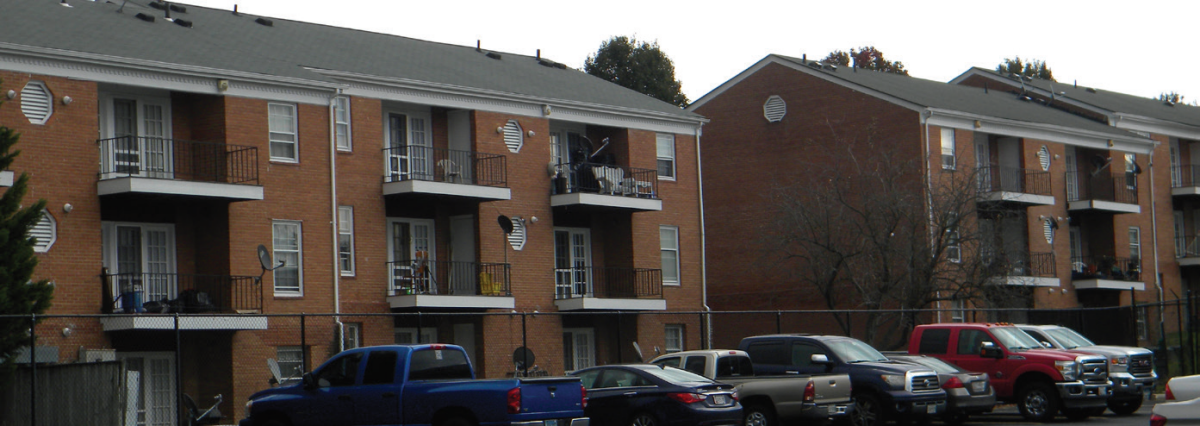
x=1038 y=402
x=1077 y=414
x=758 y=415
x=643 y=419
x=867 y=411
x=1125 y=408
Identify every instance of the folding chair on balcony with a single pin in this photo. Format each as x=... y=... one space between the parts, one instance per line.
x=450 y=172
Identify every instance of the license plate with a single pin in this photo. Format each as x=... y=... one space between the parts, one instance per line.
x=931 y=408
x=978 y=387
x=720 y=399
x=553 y=422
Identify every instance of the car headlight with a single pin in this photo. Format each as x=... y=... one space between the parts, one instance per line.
x=1068 y=369
x=896 y=381
x=248 y=404
x=1119 y=360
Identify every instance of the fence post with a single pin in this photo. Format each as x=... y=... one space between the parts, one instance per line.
x=703 y=329
x=778 y=322
x=1185 y=357
x=178 y=373
x=33 y=369
x=524 y=343
x=303 y=346
x=619 y=338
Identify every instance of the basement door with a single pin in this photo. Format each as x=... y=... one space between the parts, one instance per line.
x=149 y=388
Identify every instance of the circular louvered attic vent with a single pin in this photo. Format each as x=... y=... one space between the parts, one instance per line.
x=517 y=238
x=36 y=102
x=774 y=109
x=1044 y=158
x=513 y=137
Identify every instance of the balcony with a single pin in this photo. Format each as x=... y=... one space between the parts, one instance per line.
x=1187 y=250
x=157 y=166
x=415 y=169
x=626 y=289
x=420 y=283
x=1107 y=272
x=1185 y=181
x=1026 y=269
x=1101 y=193
x=150 y=299
x=1015 y=185
x=605 y=186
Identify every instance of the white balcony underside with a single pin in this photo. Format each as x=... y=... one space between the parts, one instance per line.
x=1018 y=197
x=1187 y=190
x=186 y=323
x=442 y=301
x=1027 y=281
x=443 y=188
x=138 y=185
x=592 y=303
x=1098 y=284
x=1189 y=261
x=1109 y=206
x=602 y=200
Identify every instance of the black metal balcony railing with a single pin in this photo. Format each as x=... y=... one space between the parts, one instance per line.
x=442 y=277
x=415 y=162
x=1024 y=264
x=1014 y=179
x=159 y=158
x=183 y=293
x=1185 y=176
x=1084 y=186
x=1106 y=268
x=607 y=283
x=1187 y=246
x=605 y=179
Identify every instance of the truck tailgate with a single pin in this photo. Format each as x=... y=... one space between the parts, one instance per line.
x=553 y=395
x=832 y=388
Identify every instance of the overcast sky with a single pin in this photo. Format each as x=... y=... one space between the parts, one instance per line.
x=1142 y=47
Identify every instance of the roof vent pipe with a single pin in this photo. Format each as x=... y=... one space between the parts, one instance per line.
x=235 y=10
x=539 y=51
x=477 y=44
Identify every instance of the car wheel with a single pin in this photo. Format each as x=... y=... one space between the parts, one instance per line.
x=867 y=411
x=758 y=415
x=643 y=419
x=1077 y=414
x=1038 y=402
x=1125 y=408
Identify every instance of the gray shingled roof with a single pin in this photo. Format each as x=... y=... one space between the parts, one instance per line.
x=936 y=94
x=224 y=41
x=1113 y=101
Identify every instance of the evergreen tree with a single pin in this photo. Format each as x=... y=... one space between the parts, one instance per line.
x=18 y=295
x=640 y=66
x=1034 y=69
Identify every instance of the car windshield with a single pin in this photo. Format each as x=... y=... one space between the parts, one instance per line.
x=1069 y=338
x=852 y=350
x=675 y=375
x=1014 y=339
x=936 y=364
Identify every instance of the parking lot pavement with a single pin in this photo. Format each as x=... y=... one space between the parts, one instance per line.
x=1007 y=414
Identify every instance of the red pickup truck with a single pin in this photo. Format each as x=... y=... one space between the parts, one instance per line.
x=1040 y=381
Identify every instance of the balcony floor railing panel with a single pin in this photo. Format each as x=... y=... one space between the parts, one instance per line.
x=1083 y=186
x=174 y=159
x=442 y=277
x=416 y=162
x=184 y=293
x=607 y=283
x=1014 y=179
x=607 y=179
x=1106 y=268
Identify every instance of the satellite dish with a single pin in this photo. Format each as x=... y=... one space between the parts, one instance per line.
x=264 y=257
x=505 y=223
x=523 y=357
x=274 y=367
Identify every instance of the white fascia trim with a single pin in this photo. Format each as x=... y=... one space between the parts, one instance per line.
x=443 y=188
x=1099 y=284
x=442 y=301
x=176 y=187
x=1186 y=190
x=616 y=201
x=1189 y=261
x=1044 y=132
x=1109 y=206
x=161 y=75
x=1139 y=123
x=592 y=303
x=462 y=97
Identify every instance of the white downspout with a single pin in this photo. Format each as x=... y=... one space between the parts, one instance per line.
x=929 y=189
x=1154 y=235
x=333 y=201
x=703 y=249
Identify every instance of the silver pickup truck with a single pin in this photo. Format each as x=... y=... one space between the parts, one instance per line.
x=767 y=399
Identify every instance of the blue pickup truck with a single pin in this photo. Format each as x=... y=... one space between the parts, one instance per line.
x=416 y=385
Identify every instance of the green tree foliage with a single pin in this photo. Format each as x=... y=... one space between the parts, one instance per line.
x=1034 y=68
x=18 y=295
x=1172 y=97
x=637 y=65
x=866 y=57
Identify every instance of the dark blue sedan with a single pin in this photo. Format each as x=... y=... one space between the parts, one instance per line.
x=651 y=395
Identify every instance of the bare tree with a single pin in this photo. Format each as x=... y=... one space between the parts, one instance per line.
x=876 y=230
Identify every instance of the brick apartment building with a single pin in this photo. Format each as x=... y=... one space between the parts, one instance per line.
x=170 y=141
x=1175 y=176
x=1076 y=232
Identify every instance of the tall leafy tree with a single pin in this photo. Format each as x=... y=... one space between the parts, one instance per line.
x=19 y=296
x=1033 y=69
x=866 y=57
x=1172 y=97
x=637 y=65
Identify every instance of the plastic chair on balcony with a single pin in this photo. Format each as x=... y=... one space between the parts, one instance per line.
x=451 y=172
x=488 y=286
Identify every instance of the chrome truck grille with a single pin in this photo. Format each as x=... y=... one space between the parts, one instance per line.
x=1093 y=370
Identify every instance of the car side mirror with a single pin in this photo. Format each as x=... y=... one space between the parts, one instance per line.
x=989 y=350
x=1047 y=345
x=820 y=359
x=309 y=382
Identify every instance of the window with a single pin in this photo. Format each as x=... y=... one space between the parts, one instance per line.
x=953 y=249
x=948 y=161
x=934 y=341
x=696 y=364
x=286 y=242
x=36 y=102
x=140 y=257
x=1131 y=171
x=341 y=120
x=45 y=232
x=578 y=348
x=767 y=352
x=666 y=155
x=970 y=341
x=668 y=242
x=346 y=240
x=341 y=371
x=137 y=132
x=411 y=256
x=802 y=354
x=409 y=153
x=353 y=335
x=1135 y=243
x=673 y=341
x=957 y=310
x=1142 y=330
x=409 y=335
x=381 y=368
x=572 y=262
x=282 y=122
x=291 y=361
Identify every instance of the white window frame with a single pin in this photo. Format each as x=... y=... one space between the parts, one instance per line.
x=573 y=277
x=352 y=336
x=291 y=366
x=414 y=162
x=295 y=134
x=153 y=287
x=953 y=246
x=299 y=290
x=958 y=310
x=341 y=120
x=140 y=387
x=1135 y=243
x=142 y=100
x=583 y=356
x=673 y=338
x=674 y=230
x=426 y=335
x=949 y=160
x=1130 y=176
x=661 y=141
x=346 y=230
x=398 y=270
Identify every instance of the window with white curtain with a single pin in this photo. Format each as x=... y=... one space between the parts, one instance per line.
x=948 y=161
x=346 y=240
x=673 y=338
x=286 y=243
x=666 y=155
x=668 y=242
x=341 y=120
x=283 y=141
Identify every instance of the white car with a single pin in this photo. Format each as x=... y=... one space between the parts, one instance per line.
x=1186 y=413
x=1183 y=388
